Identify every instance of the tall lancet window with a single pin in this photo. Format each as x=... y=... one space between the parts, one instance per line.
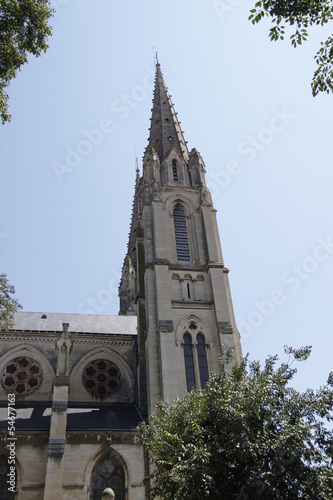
x=182 y=246
x=189 y=362
x=202 y=361
x=174 y=171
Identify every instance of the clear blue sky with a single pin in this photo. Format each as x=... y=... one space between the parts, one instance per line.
x=244 y=103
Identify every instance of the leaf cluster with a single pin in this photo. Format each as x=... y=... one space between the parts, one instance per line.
x=300 y=14
x=24 y=30
x=248 y=435
x=8 y=304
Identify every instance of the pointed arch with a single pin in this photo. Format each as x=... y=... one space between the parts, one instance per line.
x=126 y=389
x=167 y=169
x=107 y=468
x=188 y=226
x=6 y=464
x=186 y=202
x=195 y=337
x=186 y=325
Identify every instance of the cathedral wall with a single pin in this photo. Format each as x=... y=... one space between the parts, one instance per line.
x=29 y=367
x=32 y=459
x=77 y=464
x=41 y=348
x=36 y=347
x=172 y=351
x=80 y=460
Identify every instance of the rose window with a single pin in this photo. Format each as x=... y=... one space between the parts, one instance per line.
x=22 y=376
x=101 y=378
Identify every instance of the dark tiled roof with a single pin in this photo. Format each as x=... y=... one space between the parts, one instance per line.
x=104 y=418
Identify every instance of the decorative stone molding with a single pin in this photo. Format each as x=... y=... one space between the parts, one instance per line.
x=28 y=438
x=20 y=337
x=80 y=338
x=37 y=486
x=101 y=438
x=192 y=304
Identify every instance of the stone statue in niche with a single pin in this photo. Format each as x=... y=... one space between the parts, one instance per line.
x=205 y=196
x=64 y=346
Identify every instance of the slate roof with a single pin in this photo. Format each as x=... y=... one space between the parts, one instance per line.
x=80 y=323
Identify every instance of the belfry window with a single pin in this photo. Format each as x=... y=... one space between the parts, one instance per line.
x=174 y=171
x=182 y=246
x=202 y=361
x=189 y=362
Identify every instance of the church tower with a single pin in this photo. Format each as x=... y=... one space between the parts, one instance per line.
x=83 y=382
x=174 y=278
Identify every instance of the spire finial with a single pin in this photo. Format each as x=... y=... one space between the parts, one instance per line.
x=155 y=57
x=137 y=170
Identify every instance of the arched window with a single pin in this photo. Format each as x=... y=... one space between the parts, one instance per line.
x=5 y=493
x=115 y=484
x=174 y=171
x=189 y=362
x=202 y=361
x=196 y=360
x=98 y=486
x=107 y=474
x=182 y=246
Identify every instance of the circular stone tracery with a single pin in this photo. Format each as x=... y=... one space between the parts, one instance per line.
x=101 y=378
x=22 y=376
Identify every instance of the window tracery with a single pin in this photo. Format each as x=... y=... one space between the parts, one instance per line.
x=22 y=376
x=196 y=358
x=107 y=474
x=101 y=378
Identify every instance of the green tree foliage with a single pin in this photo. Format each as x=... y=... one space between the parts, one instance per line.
x=24 y=30
x=8 y=304
x=247 y=436
x=300 y=14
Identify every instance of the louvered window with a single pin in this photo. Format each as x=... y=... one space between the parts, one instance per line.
x=182 y=246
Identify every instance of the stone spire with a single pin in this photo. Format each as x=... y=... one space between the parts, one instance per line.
x=128 y=281
x=165 y=131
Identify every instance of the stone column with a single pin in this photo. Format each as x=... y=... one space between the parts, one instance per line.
x=57 y=437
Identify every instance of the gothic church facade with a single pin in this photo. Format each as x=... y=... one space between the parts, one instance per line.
x=82 y=383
